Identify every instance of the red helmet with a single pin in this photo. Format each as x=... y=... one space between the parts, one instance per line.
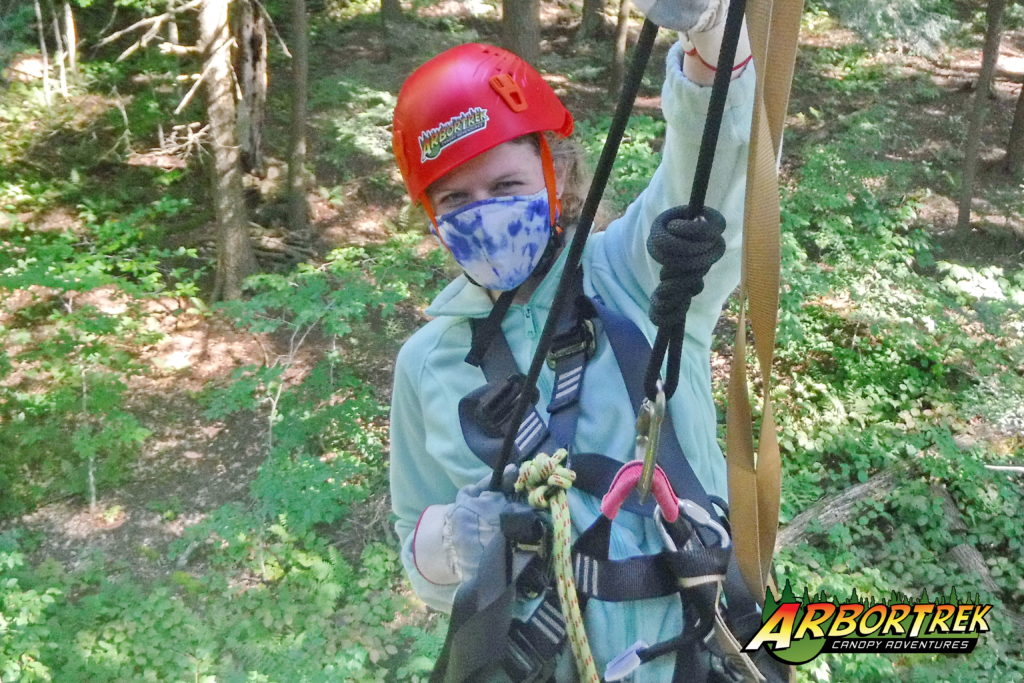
x=464 y=102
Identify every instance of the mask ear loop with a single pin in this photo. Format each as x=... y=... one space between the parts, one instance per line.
x=550 y=182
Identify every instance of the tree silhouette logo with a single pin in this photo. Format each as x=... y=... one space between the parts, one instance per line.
x=796 y=630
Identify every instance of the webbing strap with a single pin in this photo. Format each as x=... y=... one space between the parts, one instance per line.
x=480 y=619
x=755 y=481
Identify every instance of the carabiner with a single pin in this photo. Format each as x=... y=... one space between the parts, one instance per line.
x=648 y=435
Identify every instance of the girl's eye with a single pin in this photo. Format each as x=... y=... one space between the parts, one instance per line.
x=452 y=200
x=507 y=186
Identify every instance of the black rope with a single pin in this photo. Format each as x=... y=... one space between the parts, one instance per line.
x=686 y=247
x=687 y=240
x=630 y=87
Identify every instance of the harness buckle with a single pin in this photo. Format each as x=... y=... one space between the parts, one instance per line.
x=497 y=404
x=528 y=532
x=648 y=437
x=580 y=339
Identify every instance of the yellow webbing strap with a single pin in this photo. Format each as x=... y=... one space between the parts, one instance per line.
x=755 y=481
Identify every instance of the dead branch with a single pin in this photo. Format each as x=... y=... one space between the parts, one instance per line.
x=149 y=21
x=142 y=42
x=168 y=48
x=966 y=556
x=1006 y=468
x=273 y=29
x=839 y=508
x=192 y=91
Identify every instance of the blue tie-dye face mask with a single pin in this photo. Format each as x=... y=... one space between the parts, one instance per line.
x=498 y=241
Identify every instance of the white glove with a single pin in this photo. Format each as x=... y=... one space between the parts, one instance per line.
x=684 y=15
x=449 y=540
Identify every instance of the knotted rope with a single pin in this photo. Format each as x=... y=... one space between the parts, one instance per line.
x=686 y=244
x=546 y=481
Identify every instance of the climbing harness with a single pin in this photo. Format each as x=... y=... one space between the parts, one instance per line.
x=710 y=552
x=531 y=644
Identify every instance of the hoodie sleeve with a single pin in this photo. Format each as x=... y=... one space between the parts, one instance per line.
x=685 y=105
x=416 y=488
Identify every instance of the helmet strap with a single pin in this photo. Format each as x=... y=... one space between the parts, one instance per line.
x=550 y=181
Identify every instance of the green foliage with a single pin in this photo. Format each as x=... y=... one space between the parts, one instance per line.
x=25 y=636
x=16 y=30
x=922 y=25
x=275 y=606
x=69 y=347
x=637 y=156
x=360 y=125
x=325 y=432
x=887 y=356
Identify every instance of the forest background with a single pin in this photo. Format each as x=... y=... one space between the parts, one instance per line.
x=207 y=267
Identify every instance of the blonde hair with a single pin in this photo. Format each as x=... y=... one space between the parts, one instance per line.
x=574 y=172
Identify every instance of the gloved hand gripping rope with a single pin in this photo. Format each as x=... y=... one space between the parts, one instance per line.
x=687 y=240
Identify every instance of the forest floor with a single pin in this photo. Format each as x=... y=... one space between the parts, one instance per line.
x=190 y=464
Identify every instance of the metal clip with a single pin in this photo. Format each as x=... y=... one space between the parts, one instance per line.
x=582 y=339
x=648 y=434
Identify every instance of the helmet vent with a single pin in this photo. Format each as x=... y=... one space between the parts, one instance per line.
x=509 y=91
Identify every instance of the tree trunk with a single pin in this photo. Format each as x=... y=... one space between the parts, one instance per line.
x=298 y=209
x=47 y=98
x=71 y=38
x=251 y=67
x=521 y=28
x=390 y=10
x=592 y=19
x=993 y=34
x=1015 y=145
x=618 y=69
x=235 y=258
x=60 y=54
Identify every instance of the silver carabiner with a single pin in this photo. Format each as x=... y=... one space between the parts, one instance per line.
x=648 y=435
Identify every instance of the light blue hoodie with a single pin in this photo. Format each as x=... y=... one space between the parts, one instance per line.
x=430 y=460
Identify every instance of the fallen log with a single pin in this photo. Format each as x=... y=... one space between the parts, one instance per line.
x=967 y=557
x=843 y=507
x=839 y=508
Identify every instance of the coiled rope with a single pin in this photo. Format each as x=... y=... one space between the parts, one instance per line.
x=688 y=232
x=546 y=481
x=686 y=246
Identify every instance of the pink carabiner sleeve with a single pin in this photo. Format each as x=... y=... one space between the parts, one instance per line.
x=626 y=480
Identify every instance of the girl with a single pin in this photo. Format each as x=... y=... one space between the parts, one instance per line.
x=480 y=140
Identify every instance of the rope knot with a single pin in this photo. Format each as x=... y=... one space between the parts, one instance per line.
x=544 y=476
x=686 y=246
